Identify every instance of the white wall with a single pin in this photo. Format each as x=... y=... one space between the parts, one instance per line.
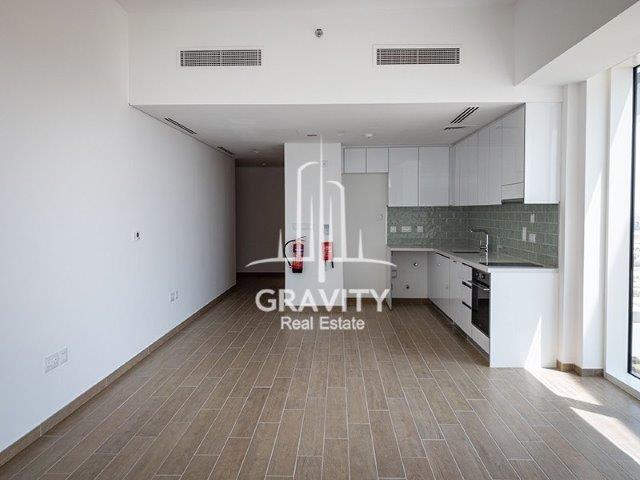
x=260 y=216
x=366 y=210
x=299 y=68
x=544 y=29
x=81 y=170
x=295 y=156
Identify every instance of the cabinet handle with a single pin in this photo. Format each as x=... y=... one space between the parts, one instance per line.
x=466 y=284
x=465 y=304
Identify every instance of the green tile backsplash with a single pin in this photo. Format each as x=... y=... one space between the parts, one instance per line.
x=449 y=226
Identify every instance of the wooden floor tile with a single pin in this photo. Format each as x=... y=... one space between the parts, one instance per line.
x=362 y=461
x=233 y=396
x=385 y=445
x=283 y=459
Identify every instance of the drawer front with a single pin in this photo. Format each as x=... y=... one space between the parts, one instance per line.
x=465 y=293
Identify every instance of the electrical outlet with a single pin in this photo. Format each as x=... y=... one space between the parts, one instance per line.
x=524 y=234
x=532 y=238
x=406 y=229
x=63 y=355
x=393 y=229
x=533 y=218
x=136 y=236
x=51 y=362
x=420 y=229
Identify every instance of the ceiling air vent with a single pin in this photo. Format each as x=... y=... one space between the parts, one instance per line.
x=221 y=58
x=180 y=126
x=466 y=113
x=417 y=55
x=225 y=150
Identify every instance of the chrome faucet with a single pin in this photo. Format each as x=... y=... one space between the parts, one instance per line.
x=485 y=247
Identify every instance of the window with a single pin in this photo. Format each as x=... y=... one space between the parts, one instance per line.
x=634 y=281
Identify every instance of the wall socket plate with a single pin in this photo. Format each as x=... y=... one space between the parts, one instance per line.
x=532 y=238
x=393 y=229
x=406 y=229
x=533 y=218
x=56 y=359
x=419 y=229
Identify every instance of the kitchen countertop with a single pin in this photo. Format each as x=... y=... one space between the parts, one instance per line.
x=476 y=260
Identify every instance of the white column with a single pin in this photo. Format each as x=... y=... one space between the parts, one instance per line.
x=583 y=233
x=328 y=168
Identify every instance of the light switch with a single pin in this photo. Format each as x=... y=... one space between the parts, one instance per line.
x=532 y=238
x=393 y=229
x=524 y=234
x=533 y=218
x=420 y=229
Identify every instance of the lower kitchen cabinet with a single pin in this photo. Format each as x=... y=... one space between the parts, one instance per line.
x=449 y=288
x=438 y=281
x=460 y=298
x=523 y=307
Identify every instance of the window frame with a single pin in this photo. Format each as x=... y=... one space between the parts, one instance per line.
x=634 y=128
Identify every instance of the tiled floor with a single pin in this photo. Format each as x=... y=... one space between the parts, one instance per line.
x=233 y=396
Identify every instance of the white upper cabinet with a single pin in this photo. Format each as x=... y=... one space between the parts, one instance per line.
x=542 y=152
x=403 y=177
x=377 y=160
x=355 y=160
x=513 y=147
x=484 y=160
x=433 y=176
x=469 y=171
x=494 y=182
x=515 y=158
x=452 y=177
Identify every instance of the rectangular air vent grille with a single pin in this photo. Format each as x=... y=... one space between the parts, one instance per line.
x=466 y=113
x=418 y=56
x=180 y=126
x=221 y=58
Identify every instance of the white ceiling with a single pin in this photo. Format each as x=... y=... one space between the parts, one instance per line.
x=271 y=5
x=257 y=133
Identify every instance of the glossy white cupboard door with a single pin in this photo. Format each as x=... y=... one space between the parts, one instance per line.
x=494 y=192
x=513 y=147
x=403 y=177
x=433 y=176
x=459 y=153
x=484 y=152
x=543 y=138
x=472 y=170
x=355 y=160
x=377 y=160
x=452 y=176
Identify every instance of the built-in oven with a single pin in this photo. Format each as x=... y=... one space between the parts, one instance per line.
x=481 y=301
